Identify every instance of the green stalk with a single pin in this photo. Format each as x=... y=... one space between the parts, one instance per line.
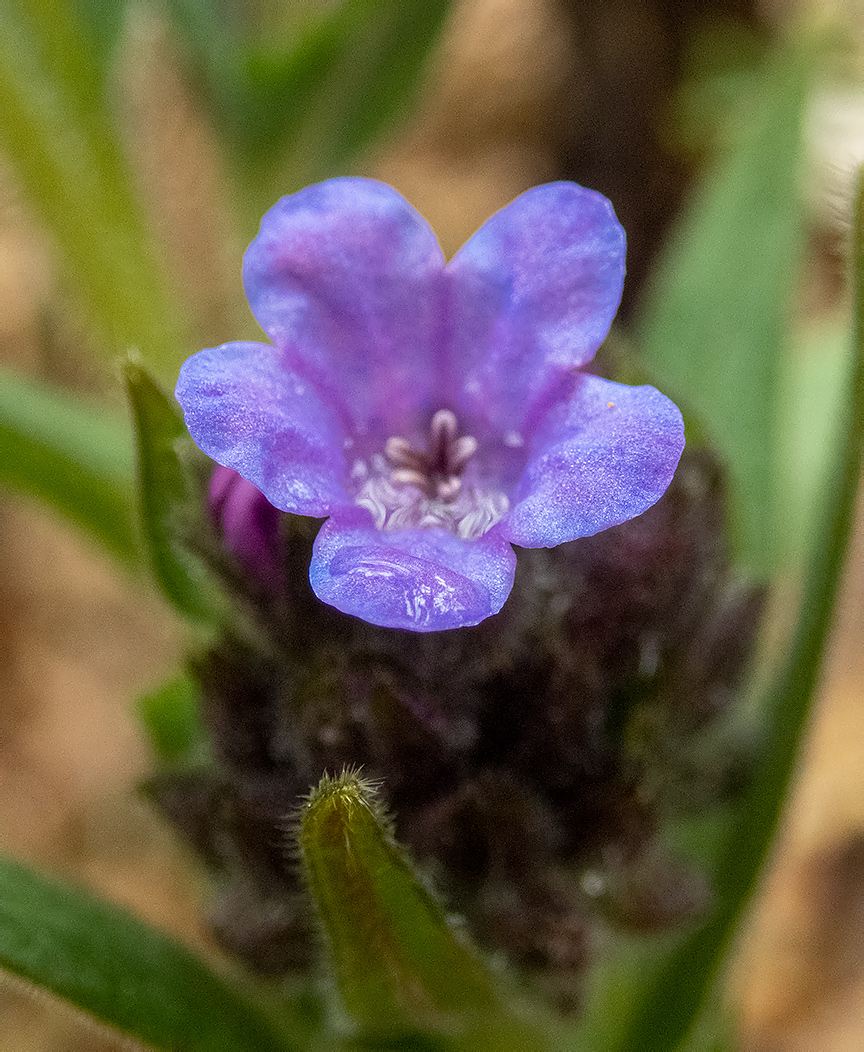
x=667 y=1015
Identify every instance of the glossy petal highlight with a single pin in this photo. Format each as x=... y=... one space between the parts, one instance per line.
x=424 y=580
x=248 y=411
x=534 y=293
x=347 y=279
x=601 y=456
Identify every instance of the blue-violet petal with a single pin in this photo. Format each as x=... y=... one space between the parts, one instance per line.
x=534 y=293
x=347 y=280
x=424 y=580
x=248 y=411
x=601 y=456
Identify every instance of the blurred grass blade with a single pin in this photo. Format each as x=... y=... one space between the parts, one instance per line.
x=273 y=86
x=390 y=42
x=171 y=717
x=397 y=962
x=209 y=32
x=210 y=29
x=366 y=57
x=63 y=44
x=124 y=973
x=166 y=501
x=810 y=429
x=77 y=458
x=58 y=136
x=311 y=105
x=665 y=1017
x=713 y=325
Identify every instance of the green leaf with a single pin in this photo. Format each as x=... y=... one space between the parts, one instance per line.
x=398 y=964
x=666 y=1015
x=172 y=718
x=57 y=132
x=129 y=976
x=714 y=323
x=168 y=503
x=76 y=457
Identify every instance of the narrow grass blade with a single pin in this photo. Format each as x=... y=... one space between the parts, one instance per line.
x=57 y=134
x=713 y=327
x=127 y=975
x=76 y=457
x=380 y=75
x=665 y=1017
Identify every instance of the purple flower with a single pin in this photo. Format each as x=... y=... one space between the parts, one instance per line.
x=434 y=412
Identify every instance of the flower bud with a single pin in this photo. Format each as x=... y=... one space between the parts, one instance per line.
x=248 y=525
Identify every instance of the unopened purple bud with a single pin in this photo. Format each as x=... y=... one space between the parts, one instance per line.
x=248 y=524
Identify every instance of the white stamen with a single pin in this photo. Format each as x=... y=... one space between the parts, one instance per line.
x=463 y=449
x=444 y=423
x=472 y=513
x=409 y=477
x=411 y=489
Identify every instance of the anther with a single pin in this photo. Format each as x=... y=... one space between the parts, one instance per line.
x=448 y=489
x=401 y=455
x=436 y=471
x=461 y=452
x=407 y=477
x=444 y=423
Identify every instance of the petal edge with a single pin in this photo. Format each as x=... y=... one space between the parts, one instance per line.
x=346 y=278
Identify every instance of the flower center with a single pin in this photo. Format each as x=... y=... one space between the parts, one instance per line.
x=436 y=472
x=410 y=488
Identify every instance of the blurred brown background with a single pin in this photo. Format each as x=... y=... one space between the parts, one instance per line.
x=520 y=91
